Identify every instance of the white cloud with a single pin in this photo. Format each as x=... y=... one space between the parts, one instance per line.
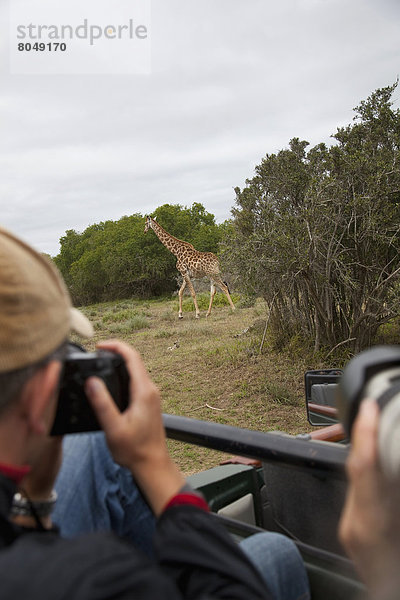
x=230 y=82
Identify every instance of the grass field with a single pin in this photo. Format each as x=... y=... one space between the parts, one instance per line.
x=210 y=369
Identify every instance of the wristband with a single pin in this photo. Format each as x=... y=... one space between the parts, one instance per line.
x=29 y=508
x=192 y=499
x=187 y=495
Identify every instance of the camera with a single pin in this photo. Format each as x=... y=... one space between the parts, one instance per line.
x=375 y=373
x=74 y=413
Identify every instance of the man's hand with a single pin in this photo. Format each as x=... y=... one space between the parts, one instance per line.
x=136 y=437
x=370 y=523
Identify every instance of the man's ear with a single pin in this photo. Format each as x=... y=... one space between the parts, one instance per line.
x=39 y=397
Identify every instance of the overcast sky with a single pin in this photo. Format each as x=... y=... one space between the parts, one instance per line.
x=231 y=80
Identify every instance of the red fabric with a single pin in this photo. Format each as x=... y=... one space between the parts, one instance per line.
x=192 y=499
x=16 y=473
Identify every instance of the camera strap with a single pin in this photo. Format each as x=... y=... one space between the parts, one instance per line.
x=388 y=395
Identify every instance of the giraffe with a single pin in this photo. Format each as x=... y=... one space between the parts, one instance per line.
x=191 y=264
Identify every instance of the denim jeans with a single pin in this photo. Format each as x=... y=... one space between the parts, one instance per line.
x=280 y=563
x=94 y=493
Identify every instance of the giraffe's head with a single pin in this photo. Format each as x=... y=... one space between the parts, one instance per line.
x=147 y=224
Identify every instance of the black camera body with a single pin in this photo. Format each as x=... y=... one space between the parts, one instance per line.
x=375 y=373
x=74 y=413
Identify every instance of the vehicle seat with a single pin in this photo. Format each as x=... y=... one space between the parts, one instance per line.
x=304 y=505
x=324 y=394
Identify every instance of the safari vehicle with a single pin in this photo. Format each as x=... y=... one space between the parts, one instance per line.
x=293 y=485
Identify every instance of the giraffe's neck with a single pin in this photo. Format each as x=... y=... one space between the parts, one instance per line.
x=173 y=244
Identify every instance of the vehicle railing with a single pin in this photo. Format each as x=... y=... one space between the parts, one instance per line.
x=295 y=451
x=329 y=411
x=332 y=433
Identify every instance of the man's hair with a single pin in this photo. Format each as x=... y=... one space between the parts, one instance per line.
x=13 y=382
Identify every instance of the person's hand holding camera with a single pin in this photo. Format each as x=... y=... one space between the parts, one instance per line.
x=136 y=437
x=370 y=523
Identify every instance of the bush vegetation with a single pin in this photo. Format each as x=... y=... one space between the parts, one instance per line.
x=115 y=259
x=317 y=233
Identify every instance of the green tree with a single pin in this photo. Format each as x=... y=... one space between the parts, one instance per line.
x=115 y=259
x=317 y=233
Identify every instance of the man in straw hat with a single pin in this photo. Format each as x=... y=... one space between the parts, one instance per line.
x=192 y=556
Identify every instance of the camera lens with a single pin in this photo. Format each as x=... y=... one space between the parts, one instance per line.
x=375 y=374
x=389 y=438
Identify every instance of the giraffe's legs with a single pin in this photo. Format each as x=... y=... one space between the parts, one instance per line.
x=186 y=281
x=191 y=288
x=224 y=289
x=212 y=294
x=180 y=294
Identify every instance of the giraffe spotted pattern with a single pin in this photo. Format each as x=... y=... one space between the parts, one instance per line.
x=191 y=264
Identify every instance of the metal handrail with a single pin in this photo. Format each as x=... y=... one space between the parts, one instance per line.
x=270 y=447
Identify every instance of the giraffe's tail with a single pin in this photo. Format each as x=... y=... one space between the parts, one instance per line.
x=229 y=291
